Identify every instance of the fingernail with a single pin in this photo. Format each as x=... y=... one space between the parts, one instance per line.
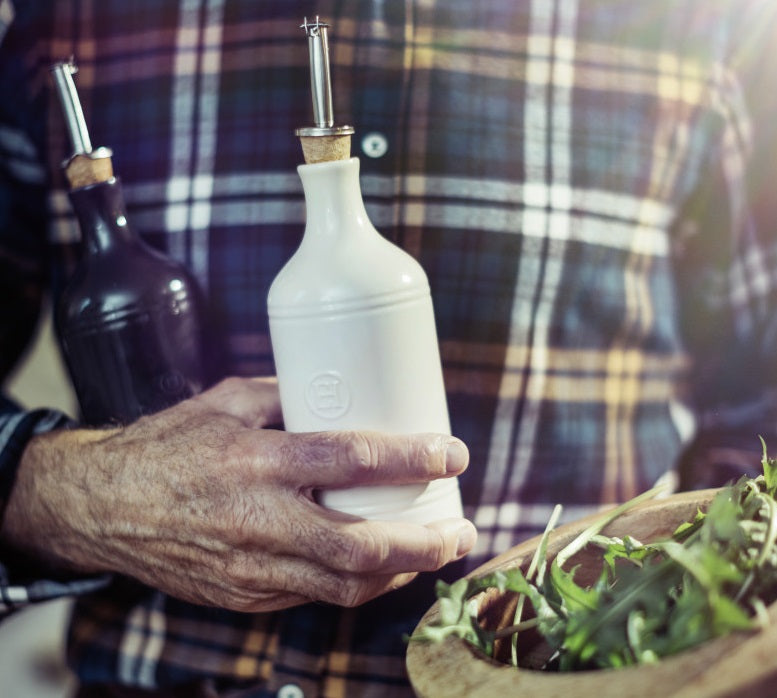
x=467 y=538
x=456 y=457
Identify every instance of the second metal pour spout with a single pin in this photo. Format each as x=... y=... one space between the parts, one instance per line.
x=86 y=165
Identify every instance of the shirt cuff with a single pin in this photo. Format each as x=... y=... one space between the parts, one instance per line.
x=16 y=429
x=23 y=581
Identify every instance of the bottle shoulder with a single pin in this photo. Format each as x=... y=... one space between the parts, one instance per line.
x=364 y=270
x=130 y=279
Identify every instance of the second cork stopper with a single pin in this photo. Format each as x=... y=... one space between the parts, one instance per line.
x=322 y=142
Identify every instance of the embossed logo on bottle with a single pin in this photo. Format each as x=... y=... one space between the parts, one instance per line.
x=171 y=382
x=328 y=395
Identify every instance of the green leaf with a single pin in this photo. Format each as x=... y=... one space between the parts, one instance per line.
x=729 y=616
x=574 y=597
x=584 y=538
x=769 y=466
x=687 y=528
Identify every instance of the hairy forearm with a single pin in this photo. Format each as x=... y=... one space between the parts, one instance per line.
x=49 y=514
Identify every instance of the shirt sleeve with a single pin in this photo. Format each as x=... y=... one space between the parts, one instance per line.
x=24 y=581
x=727 y=267
x=23 y=283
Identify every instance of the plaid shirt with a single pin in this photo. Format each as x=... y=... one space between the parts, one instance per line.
x=586 y=183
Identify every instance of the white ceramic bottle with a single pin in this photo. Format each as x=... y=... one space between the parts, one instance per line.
x=351 y=320
x=354 y=340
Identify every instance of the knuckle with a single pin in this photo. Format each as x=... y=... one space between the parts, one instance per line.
x=359 y=451
x=242 y=603
x=217 y=593
x=355 y=454
x=441 y=557
x=229 y=385
x=218 y=394
x=242 y=524
x=365 y=552
x=429 y=453
x=240 y=571
x=351 y=593
x=437 y=551
x=239 y=458
x=237 y=601
x=314 y=449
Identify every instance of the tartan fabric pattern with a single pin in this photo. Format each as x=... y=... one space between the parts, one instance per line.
x=585 y=183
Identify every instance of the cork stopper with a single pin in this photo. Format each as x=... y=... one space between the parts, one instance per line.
x=323 y=142
x=325 y=148
x=84 y=170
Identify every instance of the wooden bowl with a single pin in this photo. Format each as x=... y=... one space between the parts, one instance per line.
x=739 y=664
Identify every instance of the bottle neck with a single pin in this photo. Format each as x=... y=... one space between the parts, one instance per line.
x=333 y=199
x=102 y=216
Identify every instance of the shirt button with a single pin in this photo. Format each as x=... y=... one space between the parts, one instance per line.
x=374 y=145
x=290 y=690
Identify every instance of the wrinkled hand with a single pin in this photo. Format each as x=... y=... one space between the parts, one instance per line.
x=204 y=504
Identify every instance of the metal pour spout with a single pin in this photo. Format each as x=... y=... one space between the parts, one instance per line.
x=74 y=116
x=71 y=106
x=86 y=165
x=321 y=94
x=320 y=79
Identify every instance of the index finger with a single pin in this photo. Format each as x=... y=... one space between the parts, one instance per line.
x=351 y=458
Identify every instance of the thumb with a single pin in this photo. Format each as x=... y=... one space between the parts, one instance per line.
x=254 y=401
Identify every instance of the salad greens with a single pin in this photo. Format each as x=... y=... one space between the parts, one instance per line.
x=714 y=575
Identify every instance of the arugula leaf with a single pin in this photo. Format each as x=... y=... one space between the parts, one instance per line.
x=769 y=466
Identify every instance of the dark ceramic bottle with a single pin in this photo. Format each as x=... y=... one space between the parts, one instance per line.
x=129 y=320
